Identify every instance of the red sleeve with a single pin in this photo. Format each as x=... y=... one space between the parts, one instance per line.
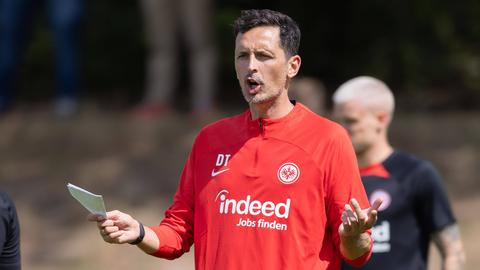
x=343 y=182
x=175 y=232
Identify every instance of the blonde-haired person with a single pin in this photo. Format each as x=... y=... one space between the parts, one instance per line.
x=415 y=207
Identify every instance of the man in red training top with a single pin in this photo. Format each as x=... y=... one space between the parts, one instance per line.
x=276 y=187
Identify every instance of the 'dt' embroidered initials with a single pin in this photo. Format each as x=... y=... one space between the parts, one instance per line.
x=222 y=160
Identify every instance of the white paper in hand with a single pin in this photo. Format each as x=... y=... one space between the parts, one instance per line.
x=93 y=202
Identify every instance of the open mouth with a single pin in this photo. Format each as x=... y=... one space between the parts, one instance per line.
x=253 y=85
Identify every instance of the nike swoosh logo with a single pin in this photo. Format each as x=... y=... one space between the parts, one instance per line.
x=214 y=173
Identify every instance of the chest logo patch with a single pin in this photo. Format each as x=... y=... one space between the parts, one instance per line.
x=384 y=196
x=288 y=173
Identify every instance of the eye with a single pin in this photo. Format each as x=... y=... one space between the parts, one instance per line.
x=350 y=121
x=262 y=56
x=242 y=55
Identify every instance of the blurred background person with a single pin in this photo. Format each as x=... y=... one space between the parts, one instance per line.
x=167 y=24
x=310 y=92
x=415 y=208
x=9 y=234
x=16 y=21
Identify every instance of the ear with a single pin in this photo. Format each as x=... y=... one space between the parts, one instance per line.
x=384 y=119
x=293 y=66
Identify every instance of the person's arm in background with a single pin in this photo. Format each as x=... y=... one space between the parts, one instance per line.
x=436 y=216
x=449 y=243
x=9 y=234
x=3 y=228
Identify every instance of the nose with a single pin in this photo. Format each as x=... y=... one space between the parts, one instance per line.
x=252 y=63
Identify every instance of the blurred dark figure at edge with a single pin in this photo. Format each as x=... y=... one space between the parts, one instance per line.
x=16 y=21
x=167 y=23
x=9 y=234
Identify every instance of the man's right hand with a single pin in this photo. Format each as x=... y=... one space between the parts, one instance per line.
x=117 y=228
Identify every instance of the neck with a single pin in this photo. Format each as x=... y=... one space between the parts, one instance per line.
x=378 y=153
x=276 y=108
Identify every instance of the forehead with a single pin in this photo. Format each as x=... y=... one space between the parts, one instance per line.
x=260 y=37
x=351 y=109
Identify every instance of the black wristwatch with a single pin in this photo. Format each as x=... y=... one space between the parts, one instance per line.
x=140 y=236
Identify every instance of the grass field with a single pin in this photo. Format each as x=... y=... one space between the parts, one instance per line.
x=136 y=164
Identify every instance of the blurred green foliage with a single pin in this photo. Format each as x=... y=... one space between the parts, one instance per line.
x=427 y=51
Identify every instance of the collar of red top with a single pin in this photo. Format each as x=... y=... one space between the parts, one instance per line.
x=270 y=125
x=375 y=170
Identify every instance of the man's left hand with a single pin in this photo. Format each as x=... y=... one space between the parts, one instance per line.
x=356 y=220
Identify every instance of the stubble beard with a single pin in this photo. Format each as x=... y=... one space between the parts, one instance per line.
x=261 y=97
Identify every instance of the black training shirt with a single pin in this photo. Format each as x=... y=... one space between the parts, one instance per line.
x=415 y=205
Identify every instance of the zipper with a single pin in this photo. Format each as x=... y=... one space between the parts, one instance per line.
x=262 y=128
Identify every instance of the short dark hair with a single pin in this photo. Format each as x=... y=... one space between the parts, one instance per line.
x=289 y=30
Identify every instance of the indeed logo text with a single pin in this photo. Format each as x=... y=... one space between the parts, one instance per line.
x=252 y=207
